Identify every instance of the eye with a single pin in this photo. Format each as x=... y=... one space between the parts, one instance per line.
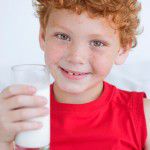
x=97 y=43
x=62 y=36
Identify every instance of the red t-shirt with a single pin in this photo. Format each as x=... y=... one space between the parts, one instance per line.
x=114 y=121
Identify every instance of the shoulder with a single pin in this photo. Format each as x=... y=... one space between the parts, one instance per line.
x=147 y=117
x=128 y=98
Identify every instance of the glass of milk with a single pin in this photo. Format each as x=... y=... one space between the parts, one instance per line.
x=38 y=76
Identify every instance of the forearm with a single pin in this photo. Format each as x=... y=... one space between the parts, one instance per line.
x=6 y=146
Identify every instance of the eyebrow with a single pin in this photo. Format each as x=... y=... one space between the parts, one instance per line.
x=62 y=27
x=97 y=36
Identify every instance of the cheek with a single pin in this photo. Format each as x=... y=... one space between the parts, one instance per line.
x=53 y=53
x=102 y=65
x=52 y=57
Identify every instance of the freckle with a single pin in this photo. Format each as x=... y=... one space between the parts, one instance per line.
x=115 y=31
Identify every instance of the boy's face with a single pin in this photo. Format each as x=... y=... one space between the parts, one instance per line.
x=78 y=44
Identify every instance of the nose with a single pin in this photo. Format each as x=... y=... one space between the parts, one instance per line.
x=77 y=54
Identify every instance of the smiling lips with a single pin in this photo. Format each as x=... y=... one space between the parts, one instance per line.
x=73 y=75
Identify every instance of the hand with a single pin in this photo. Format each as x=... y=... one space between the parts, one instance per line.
x=18 y=104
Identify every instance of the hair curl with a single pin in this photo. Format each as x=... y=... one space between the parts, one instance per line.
x=124 y=13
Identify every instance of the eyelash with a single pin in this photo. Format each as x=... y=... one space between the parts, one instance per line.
x=62 y=35
x=97 y=41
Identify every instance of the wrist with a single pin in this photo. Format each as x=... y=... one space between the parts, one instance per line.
x=6 y=146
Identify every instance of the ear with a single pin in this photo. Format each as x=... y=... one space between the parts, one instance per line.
x=123 y=53
x=42 y=38
x=121 y=56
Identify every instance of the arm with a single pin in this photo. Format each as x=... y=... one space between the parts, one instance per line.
x=147 y=117
x=7 y=146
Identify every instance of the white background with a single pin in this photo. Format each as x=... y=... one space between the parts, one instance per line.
x=19 y=29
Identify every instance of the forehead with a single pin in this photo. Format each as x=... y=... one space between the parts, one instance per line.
x=80 y=23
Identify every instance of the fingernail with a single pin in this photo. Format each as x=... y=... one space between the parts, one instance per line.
x=43 y=99
x=39 y=125
x=46 y=110
x=32 y=89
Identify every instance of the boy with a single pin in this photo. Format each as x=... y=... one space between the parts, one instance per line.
x=81 y=41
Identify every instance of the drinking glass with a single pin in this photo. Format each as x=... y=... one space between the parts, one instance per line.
x=38 y=76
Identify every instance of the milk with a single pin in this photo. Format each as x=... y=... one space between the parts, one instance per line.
x=41 y=137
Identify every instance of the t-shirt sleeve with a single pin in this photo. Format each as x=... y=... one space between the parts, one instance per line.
x=138 y=109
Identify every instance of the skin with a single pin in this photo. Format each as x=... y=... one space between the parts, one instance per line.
x=83 y=50
x=147 y=117
x=79 y=43
x=18 y=105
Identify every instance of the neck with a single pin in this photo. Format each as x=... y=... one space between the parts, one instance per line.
x=78 y=98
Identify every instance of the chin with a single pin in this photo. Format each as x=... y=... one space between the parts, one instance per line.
x=71 y=88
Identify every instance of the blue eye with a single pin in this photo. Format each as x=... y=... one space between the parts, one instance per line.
x=97 y=43
x=62 y=36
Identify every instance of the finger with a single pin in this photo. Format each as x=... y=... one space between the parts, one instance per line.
x=24 y=101
x=17 y=89
x=27 y=113
x=26 y=126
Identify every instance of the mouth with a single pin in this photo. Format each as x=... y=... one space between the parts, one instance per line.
x=74 y=75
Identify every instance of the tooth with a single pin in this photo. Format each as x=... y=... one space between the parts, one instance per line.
x=77 y=74
x=70 y=73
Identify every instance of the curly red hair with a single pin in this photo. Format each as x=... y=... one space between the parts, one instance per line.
x=124 y=13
